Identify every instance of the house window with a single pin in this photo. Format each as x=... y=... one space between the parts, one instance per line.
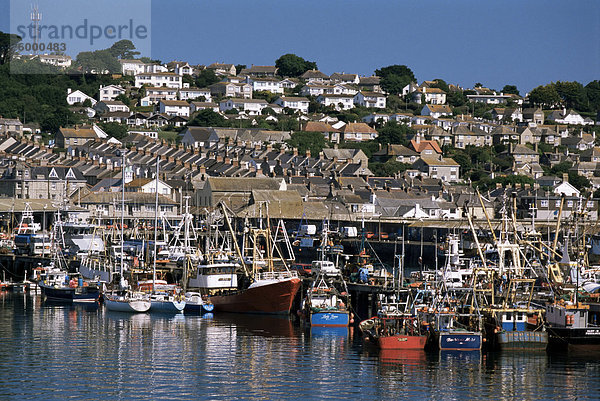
x=557 y=203
x=570 y=203
x=590 y=204
x=544 y=203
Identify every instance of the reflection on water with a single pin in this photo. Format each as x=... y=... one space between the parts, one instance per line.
x=55 y=351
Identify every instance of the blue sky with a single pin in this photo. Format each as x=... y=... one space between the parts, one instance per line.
x=526 y=43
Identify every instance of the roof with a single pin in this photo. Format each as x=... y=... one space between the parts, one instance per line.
x=423 y=144
x=293 y=99
x=358 y=128
x=175 y=103
x=436 y=161
x=78 y=133
x=439 y=108
x=523 y=150
x=246 y=184
x=318 y=126
x=314 y=74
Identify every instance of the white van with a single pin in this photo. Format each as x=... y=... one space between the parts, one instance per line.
x=349 y=232
x=307 y=229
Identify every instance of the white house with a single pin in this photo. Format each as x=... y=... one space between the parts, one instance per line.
x=295 y=103
x=231 y=89
x=340 y=102
x=249 y=106
x=135 y=67
x=148 y=186
x=345 y=78
x=199 y=137
x=194 y=93
x=148 y=133
x=131 y=67
x=265 y=84
x=436 y=110
x=110 y=92
x=566 y=117
x=56 y=60
x=432 y=95
x=566 y=188
x=493 y=98
x=110 y=106
x=174 y=108
x=180 y=68
x=197 y=106
x=153 y=95
x=78 y=97
x=370 y=99
x=167 y=79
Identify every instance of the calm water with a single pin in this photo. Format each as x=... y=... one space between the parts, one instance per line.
x=52 y=351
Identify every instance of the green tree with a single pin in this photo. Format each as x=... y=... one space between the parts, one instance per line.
x=389 y=168
x=208 y=118
x=544 y=95
x=510 y=89
x=592 y=92
x=441 y=84
x=116 y=130
x=579 y=181
x=123 y=49
x=206 y=78
x=395 y=77
x=239 y=68
x=394 y=133
x=290 y=65
x=302 y=140
x=98 y=62
x=126 y=100
x=8 y=44
x=572 y=94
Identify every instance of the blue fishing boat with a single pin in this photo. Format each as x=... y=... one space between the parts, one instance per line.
x=194 y=303
x=68 y=290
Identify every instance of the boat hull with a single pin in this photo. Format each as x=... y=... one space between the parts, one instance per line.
x=522 y=340
x=127 y=305
x=399 y=342
x=69 y=294
x=330 y=319
x=459 y=341
x=561 y=338
x=167 y=306
x=198 y=308
x=273 y=298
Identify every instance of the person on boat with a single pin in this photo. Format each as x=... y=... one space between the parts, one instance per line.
x=363 y=275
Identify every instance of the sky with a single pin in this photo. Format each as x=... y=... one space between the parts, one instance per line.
x=523 y=43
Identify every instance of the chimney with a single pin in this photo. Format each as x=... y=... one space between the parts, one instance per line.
x=69 y=91
x=307 y=152
x=565 y=177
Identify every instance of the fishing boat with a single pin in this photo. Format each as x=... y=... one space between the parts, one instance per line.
x=59 y=286
x=395 y=327
x=261 y=289
x=327 y=300
x=195 y=303
x=574 y=326
x=132 y=302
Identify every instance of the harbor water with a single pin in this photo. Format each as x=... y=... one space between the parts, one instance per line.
x=59 y=351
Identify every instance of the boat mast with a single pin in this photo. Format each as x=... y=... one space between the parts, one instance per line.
x=122 y=210
x=155 y=223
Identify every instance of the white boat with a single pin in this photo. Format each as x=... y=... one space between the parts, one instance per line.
x=194 y=303
x=128 y=302
x=166 y=303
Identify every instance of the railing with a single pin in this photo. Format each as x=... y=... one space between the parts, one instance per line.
x=282 y=275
